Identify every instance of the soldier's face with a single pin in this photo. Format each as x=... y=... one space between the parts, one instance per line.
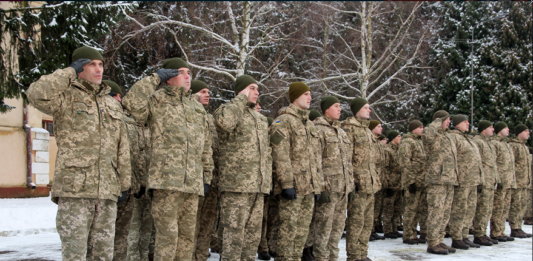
x=253 y=95
x=488 y=131
x=504 y=132
x=378 y=129
x=397 y=140
x=364 y=113
x=446 y=123
x=524 y=135
x=334 y=112
x=463 y=126
x=418 y=131
x=204 y=96
x=182 y=80
x=92 y=72
x=304 y=101
x=258 y=107
x=384 y=142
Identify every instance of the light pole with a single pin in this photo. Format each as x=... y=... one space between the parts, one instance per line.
x=472 y=67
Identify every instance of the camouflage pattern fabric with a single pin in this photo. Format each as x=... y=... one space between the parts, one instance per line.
x=393 y=171
x=312 y=231
x=86 y=228
x=122 y=228
x=273 y=222
x=504 y=162
x=392 y=210
x=422 y=211
x=522 y=163
x=207 y=208
x=240 y=225
x=263 y=243
x=489 y=159
x=518 y=207
x=392 y=206
x=500 y=209
x=441 y=167
x=529 y=211
x=330 y=219
x=295 y=217
x=463 y=211
x=181 y=141
x=174 y=215
x=378 y=209
x=485 y=200
x=359 y=226
x=440 y=198
x=415 y=212
x=140 y=241
x=412 y=157
x=469 y=163
x=93 y=158
x=294 y=140
x=244 y=151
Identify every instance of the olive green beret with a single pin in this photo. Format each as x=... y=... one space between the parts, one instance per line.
x=392 y=135
x=242 y=82
x=382 y=137
x=483 y=125
x=313 y=114
x=114 y=86
x=499 y=126
x=85 y=52
x=457 y=119
x=270 y=120
x=373 y=124
x=440 y=114
x=197 y=86
x=413 y=125
x=174 y=63
x=296 y=89
x=328 y=101
x=356 y=104
x=519 y=129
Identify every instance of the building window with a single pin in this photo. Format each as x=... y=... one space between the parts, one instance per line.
x=49 y=126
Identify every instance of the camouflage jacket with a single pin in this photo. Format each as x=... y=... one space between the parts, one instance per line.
x=522 y=163
x=412 y=161
x=215 y=146
x=487 y=150
x=295 y=141
x=393 y=173
x=139 y=138
x=364 y=154
x=181 y=142
x=469 y=164
x=504 y=161
x=336 y=156
x=93 y=158
x=243 y=159
x=441 y=167
x=380 y=162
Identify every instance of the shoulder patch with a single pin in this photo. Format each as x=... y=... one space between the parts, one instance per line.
x=277 y=122
x=277 y=138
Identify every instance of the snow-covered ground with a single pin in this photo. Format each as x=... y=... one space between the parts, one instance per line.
x=27 y=232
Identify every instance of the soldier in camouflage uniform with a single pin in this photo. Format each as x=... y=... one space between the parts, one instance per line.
x=365 y=151
x=93 y=161
x=377 y=130
x=392 y=188
x=485 y=198
x=181 y=163
x=412 y=163
x=294 y=141
x=441 y=176
x=245 y=175
x=502 y=195
x=522 y=167
x=207 y=205
x=268 y=221
x=330 y=211
x=528 y=217
x=471 y=178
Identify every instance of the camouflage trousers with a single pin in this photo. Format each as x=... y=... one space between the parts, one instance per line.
x=205 y=222
x=440 y=199
x=330 y=219
x=241 y=215
x=415 y=212
x=142 y=233
x=392 y=211
x=518 y=207
x=529 y=210
x=86 y=228
x=311 y=234
x=273 y=222
x=295 y=216
x=359 y=226
x=463 y=211
x=378 y=207
x=174 y=215
x=502 y=200
x=122 y=228
x=263 y=244
x=485 y=200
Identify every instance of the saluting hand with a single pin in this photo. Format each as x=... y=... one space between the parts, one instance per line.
x=246 y=91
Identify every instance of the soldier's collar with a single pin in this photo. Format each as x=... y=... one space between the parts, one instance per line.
x=250 y=105
x=302 y=114
x=93 y=88
x=332 y=122
x=364 y=122
x=176 y=90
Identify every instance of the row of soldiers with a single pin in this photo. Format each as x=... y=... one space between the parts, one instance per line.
x=154 y=176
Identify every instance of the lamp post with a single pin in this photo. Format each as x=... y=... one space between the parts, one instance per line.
x=472 y=67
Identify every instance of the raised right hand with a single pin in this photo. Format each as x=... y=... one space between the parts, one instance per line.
x=78 y=65
x=166 y=74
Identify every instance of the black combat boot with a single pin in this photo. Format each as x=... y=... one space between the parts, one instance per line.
x=460 y=244
x=437 y=250
x=470 y=243
x=410 y=241
x=264 y=256
x=494 y=241
x=450 y=249
x=482 y=241
x=518 y=233
x=391 y=235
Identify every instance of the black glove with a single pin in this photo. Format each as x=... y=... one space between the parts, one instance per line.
x=412 y=188
x=165 y=74
x=139 y=194
x=289 y=193
x=78 y=65
x=206 y=189
x=499 y=186
x=389 y=193
x=324 y=197
x=122 y=197
x=479 y=188
x=351 y=195
x=317 y=197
